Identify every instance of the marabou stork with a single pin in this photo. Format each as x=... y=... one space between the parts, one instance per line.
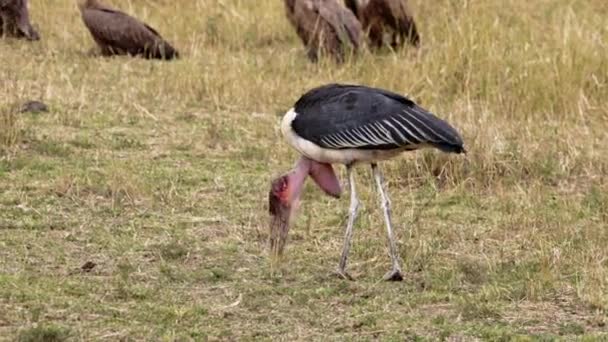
x=324 y=26
x=378 y=17
x=15 y=20
x=350 y=124
x=117 y=33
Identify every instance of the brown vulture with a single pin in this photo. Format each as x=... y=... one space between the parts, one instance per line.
x=324 y=26
x=117 y=33
x=15 y=20
x=393 y=17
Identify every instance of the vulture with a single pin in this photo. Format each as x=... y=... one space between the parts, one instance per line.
x=15 y=20
x=325 y=27
x=380 y=17
x=117 y=33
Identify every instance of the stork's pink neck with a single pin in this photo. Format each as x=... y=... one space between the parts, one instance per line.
x=295 y=180
x=323 y=175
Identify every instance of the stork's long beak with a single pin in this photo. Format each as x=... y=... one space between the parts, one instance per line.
x=283 y=199
x=280 y=214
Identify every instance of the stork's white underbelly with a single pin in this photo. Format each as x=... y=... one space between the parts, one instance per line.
x=326 y=155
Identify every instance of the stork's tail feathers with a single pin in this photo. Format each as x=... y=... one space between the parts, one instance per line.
x=450 y=148
x=440 y=133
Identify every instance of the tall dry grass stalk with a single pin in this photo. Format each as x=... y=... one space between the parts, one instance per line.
x=11 y=127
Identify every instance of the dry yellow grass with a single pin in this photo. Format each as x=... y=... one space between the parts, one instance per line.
x=157 y=172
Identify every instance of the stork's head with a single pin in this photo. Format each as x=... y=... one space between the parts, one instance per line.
x=280 y=205
x=284 y=197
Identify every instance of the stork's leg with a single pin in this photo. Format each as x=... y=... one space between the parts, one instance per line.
x=352 y=215
x=395 y=273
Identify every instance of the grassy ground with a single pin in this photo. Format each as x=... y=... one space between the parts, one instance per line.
x=157 y=174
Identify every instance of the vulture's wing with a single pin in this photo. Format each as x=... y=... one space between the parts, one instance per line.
x=303 y=16
x=118 y=29
x=352 y=26
x=121 y=31
x=405 y=20
x=343 y=22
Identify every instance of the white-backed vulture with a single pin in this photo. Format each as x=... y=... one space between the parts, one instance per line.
x=117 y=33
x=325 y=27
x=15 y=20
x=378 y=17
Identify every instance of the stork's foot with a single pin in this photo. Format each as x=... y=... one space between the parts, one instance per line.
x=394 y=275
x=342 y=274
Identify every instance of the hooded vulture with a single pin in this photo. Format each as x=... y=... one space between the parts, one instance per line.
x=15 y=20
x=386 y=16
x=117 y=33
x=325 y=27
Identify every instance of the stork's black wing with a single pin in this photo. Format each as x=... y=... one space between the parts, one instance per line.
x=350 y=116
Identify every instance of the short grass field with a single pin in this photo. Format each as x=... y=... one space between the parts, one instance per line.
x=136 y=209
